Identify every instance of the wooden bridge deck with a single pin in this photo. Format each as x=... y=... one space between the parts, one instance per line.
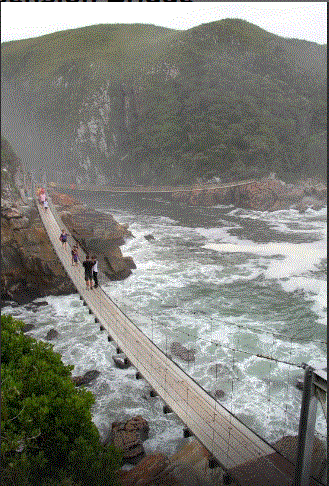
x=233 y=445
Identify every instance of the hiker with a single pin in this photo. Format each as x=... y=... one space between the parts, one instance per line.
x=88 y=265
x=46 y=205
x=42 y=197
x=63 y=238
x=95 y=271
x=74 y=253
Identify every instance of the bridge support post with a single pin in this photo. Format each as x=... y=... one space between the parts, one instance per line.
x=109 y=338
x=306 y=431
x=187 y=432
x=139 y=375
x=153 y=393
x=167 y=409
x=119 y=350
x=212 y=463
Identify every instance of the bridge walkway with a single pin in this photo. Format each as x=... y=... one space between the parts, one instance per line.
x=234 y=446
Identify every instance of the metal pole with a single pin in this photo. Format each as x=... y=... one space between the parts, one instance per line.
x=306 y=431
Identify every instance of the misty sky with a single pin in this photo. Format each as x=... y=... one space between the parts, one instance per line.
x=301 y=20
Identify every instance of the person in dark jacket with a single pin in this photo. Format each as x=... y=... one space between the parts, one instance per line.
x=88 y=265
x=95 y=271
x=63 y=238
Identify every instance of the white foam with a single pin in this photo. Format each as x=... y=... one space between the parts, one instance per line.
x=299 y=258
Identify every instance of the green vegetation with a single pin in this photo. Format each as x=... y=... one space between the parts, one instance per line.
x=48 y=437
x=225 y=98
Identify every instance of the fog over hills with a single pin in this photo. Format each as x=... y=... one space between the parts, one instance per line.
x=137 y=103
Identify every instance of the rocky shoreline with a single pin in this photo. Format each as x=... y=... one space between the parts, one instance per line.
x=267 y=194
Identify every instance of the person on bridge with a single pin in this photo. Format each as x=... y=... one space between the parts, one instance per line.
x=63 y=238
x=74 y=253
x=95 y=271
x=42 y=196
x=88 y=265
x=46 y=205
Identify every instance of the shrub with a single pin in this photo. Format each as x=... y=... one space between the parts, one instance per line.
x=48 y=436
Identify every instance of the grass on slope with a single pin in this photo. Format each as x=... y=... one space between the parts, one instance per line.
x=106 y=44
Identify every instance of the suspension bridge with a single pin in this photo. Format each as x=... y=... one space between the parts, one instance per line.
x=244 y=455
x=149 y=189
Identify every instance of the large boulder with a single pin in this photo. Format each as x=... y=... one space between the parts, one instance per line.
x=181 y=352
x=139 y=424
x=51 y=334
x=86 y=378
x=129 y=436
x=121 y=361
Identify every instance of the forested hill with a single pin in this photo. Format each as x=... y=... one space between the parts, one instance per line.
x=144 y=104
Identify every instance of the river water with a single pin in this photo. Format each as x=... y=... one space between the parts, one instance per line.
x=229 y=283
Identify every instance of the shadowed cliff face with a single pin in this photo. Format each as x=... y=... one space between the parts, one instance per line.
x=142 y=104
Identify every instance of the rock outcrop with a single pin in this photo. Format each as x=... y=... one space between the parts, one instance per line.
x=96 y=233
x=29 y=266
x=267 y=194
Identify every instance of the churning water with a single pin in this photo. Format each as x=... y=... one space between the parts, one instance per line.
x=229 y=283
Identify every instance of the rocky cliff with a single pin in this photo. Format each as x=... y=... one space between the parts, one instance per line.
x=144 y=104
x=29 y=266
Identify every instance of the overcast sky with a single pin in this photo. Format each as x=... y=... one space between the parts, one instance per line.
x=302 y=20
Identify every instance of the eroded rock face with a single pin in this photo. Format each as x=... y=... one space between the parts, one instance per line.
x=29 y=266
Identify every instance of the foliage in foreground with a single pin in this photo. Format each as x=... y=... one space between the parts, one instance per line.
x=48 y=437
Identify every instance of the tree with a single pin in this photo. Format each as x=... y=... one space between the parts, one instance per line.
x=48 y=436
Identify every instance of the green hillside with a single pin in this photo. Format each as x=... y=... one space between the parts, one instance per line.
x=139 y=103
